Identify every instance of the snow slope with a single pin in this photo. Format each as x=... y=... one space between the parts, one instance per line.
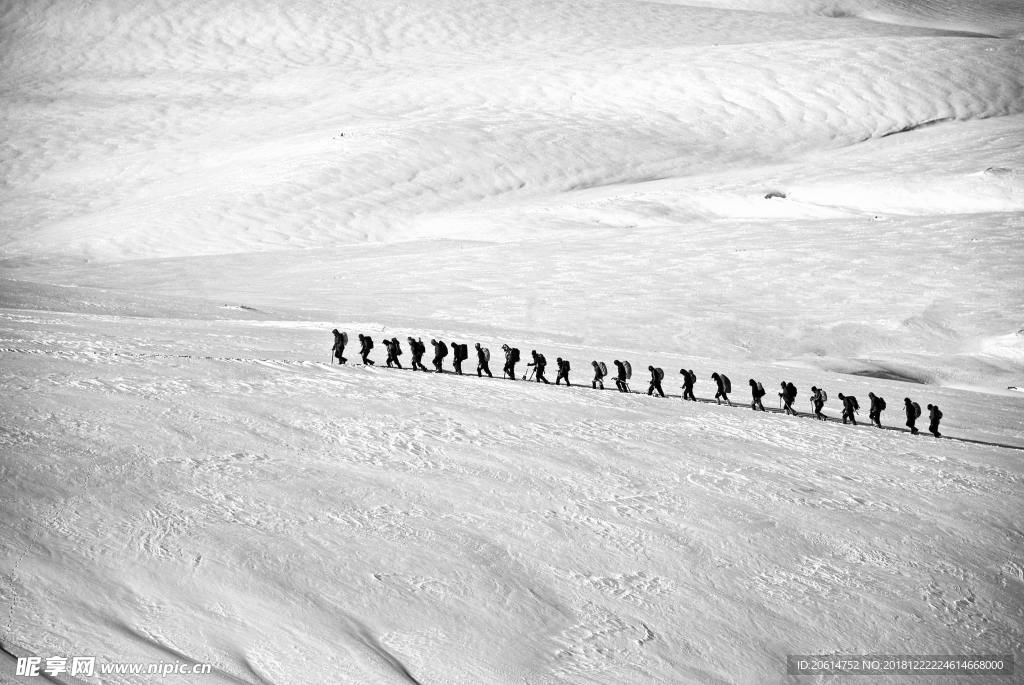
x=195 y=192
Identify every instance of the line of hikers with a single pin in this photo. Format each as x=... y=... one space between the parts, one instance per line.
x=623 y=373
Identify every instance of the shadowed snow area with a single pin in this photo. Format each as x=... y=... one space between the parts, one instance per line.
x=194 y=193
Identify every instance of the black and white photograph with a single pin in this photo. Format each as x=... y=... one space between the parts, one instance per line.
x=527 y=342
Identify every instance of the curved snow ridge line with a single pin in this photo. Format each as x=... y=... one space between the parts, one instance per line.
x=471 y=133
x=180 y=36
x=994 y=17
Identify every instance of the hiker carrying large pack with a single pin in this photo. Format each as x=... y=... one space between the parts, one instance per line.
x=756 y=393
x=511 y=359
x=338 y=350
x=563 y=371
x=788 y=396
x=818 y=399
x=621 y=376
x=539 y=363
x=459 y=354
x=365 y=346
x=657 y=374
x=913 y=411
x=850 y=407
x=689 y=378
x=440 y=352
x=876 y=409
x=483 y=359
x=417 y=349
x=723 y=388
x=934 y=416
x=600 y=371
x=393 y=351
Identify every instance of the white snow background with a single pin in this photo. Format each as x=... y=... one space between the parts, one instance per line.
x=194 y=192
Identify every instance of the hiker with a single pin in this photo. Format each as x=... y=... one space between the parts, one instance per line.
x=458 y=356
x=538 y=364
x=818 y=399
x=483 y=359
x=850 y=407
x=365 y=345
x=788 y=396
x=599 y=374
x=339 y=346
x=934 y=416
x=511 y=358
x=756 y=393
x=913 y=410
x=418 y=349
x=440 y=352
x=877 y=407
x=393 y=351
x=723 y=388
x=620 y=379
x=689 y=378
x=656 y=375
x=563 y=371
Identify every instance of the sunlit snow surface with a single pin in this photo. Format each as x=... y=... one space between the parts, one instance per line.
x=194 y=193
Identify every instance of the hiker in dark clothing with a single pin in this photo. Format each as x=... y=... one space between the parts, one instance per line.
x=365 y=345
x=689 y=378
x=656 y=376
x=877 y=407
x=722 y=389
x=934 y=416
x=913 y=410
x=598 y=375
x=818 y=398
x=457 y=357
x=563 y=371
x=393 y=351
x=788 y=396
x=620 y=378
x=850 y=407
x=440 y=352
x=417 y=349
x=482 y=361
x=511 y=358
x=339 y=346
x=538 y=364
x=756 y=393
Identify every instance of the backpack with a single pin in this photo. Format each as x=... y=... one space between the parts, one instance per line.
x=344 y=338
x=917 y=409
x=442 y=349
x=541 y=360
x=938 y=414
x=565 y=365
x=659 y=373
x=629 y=370
x=514 y=355
x=758 y=389
x=692 y=375
x=603 y=367
x=791 y=390
x=369 y=342
x=397 y=347
x=463 y=351
x=881 y=403
x=854 y=403
x=726 y=383
x=824 y=395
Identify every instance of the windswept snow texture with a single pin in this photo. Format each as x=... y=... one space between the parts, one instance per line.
x=194 y=192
